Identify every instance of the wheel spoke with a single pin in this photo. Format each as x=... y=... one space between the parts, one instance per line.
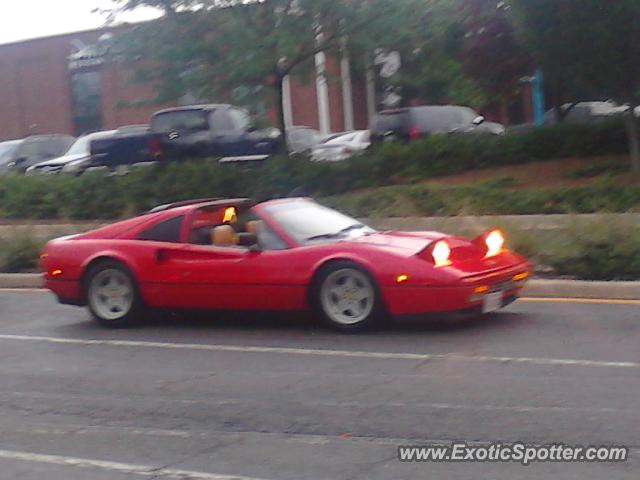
x=350 y=283
x=337 y=291
x=361 y=294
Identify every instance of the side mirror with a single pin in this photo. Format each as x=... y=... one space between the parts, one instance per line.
x=255 y=248
x=479 y=120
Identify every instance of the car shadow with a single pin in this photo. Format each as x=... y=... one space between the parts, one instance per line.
x=265 y=322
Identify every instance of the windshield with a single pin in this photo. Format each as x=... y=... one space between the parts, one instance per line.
x=180 y=121
x=7 y=150
x=308 y=222
x=80 y=147
x=303 y=138
x=350 y=137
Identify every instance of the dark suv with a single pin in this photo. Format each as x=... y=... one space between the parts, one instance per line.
x=412 y=123
x=18 y=155
x=209 y=131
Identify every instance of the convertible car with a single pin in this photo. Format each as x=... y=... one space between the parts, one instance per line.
x=291 y=254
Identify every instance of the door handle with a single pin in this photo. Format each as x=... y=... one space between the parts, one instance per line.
x=161 y=255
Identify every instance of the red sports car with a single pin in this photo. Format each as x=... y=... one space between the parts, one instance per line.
x=290 y=254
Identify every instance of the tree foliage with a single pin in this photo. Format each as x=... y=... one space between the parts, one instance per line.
x=588 y=49
x=491 y=54
x=209 y=48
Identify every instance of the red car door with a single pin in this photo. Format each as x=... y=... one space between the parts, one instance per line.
x=226 y=278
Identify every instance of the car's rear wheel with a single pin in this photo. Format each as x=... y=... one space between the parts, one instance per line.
x=346 y=297
x=112 y=295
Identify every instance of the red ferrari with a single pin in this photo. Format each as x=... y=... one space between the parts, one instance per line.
x=290 y=254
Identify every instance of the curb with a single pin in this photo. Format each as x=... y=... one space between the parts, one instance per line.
x=534 y=288
x=20 y=280
x=582 y=289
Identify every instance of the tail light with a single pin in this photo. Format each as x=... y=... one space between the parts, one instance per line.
x=441 y=253
x=414 y=133
x=155 y=147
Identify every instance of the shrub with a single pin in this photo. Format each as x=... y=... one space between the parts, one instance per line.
x=19 y=252
x=106 y=197
x=602 y=250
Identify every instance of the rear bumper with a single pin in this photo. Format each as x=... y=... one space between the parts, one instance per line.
x=67 y=291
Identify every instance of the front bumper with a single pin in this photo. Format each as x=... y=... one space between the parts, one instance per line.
x=406 y=299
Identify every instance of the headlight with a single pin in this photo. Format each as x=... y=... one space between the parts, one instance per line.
x=441 y=253
x=495 y=243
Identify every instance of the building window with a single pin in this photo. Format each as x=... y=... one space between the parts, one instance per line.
x=86 y=92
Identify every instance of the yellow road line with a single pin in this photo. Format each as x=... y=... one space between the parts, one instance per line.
x=592 y=301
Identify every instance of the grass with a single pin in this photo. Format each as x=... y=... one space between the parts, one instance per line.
x=495 y=198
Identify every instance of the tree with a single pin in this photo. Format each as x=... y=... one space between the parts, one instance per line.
x=210 y=47
x=588 y=49
x=432 y=50
x=491 y=54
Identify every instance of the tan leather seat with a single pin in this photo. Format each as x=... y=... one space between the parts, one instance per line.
x=224 y=236
x=252 y=227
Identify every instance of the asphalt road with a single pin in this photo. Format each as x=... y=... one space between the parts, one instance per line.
x=277 y=398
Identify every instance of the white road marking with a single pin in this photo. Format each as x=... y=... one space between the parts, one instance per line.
x=126 y=468
x=23 y=290
x=419 y=357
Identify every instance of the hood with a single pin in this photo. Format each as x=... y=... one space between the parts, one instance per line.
x=63 y=160
x=403 y=243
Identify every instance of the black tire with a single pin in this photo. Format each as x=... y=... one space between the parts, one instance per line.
x=372 y=314
x=123 y=318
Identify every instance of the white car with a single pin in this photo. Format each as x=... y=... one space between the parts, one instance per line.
x=341 y=147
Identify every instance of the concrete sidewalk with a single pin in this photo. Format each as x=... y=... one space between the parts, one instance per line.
x=535 y=288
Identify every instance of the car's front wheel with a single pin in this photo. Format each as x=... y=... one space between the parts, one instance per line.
x=112 y=295
x=346 y=297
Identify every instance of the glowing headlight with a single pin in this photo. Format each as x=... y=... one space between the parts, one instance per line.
x=495 y=243
x=441 y=253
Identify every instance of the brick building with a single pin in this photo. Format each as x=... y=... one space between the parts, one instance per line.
x=62 y=84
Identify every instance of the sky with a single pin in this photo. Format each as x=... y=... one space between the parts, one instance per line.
x=25 y=19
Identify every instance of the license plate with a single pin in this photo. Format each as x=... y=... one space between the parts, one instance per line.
x=492 y=302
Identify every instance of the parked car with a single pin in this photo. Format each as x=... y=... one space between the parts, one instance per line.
x=238 y=255
x=209 y=131
x=301 y=139
x=413 y=123
x=341 y=147
x=587 y=112
x=19 y=155
x=79 y=154
x=108 y=151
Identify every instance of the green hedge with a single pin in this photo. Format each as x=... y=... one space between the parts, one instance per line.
x=97 y=196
